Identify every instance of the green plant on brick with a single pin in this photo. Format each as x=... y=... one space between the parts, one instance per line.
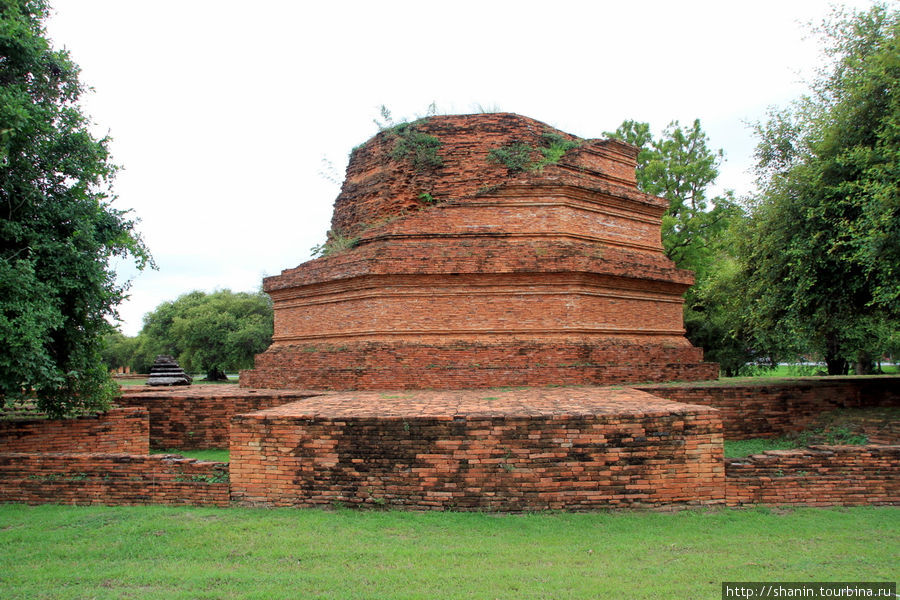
x=515 y=157
x=554 y=147
x=335 y=243
x=416 y=146
x=518 y=156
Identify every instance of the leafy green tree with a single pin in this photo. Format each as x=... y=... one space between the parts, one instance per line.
x=118 y=350
x=210 y=333
x=821 y=254
x=680 y=167
x=58 y=230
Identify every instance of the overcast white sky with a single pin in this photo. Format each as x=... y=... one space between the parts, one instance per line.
x=221 y=111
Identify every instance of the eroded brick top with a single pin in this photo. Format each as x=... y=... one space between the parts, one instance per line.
x=450 y=404
x=381 y=183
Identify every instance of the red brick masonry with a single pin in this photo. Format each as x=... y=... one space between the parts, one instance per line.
x=752 y=409
x=518 y=449
x=199 y=416
x=816 y=476
x=530 y=449
x=115 y=479
x=118 y=430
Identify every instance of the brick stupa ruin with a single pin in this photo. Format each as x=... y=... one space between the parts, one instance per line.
x=484 y=250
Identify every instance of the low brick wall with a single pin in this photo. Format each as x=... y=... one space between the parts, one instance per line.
x=816 y=476
x=536 y=449
x=113 y=479
x=117 y=430
x=199 y=416
x=750 y=409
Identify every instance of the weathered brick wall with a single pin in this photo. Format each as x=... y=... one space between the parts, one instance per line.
x=571 y=449
x=113 y=479
x=816 y=476
x=199 y=417
x=374 y=366
x=768 y=409
x=117 y=430
x=524 y=306
x=452 y=258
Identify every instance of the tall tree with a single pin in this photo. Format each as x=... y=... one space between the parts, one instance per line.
x=680 y=167
x=821 y=255
x=58 y=229
x=210 y=333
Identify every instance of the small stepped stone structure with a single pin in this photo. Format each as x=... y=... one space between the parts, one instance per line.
x=166 y=371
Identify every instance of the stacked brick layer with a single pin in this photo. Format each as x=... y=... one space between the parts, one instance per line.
x=498 y=450
x=114 y=479
x=373 y=366
x=198 y=417
x=514 y=264
x=816 y=476
x=117 y=430
x=751 y=409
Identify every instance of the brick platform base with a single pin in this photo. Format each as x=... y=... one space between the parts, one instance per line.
x=530 y=449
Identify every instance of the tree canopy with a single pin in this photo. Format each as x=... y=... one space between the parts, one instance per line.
x=820 y=255
x=680 y=167
x=58 y=229
x=211 y=333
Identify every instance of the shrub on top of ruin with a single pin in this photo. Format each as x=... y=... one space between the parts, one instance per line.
x=409 y=141
x=517 y=156
x=417 y=146
x=555 y=146
x=336 y=242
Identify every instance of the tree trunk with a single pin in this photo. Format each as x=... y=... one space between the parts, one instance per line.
x=864 y=364
x=216 y=375
x=836 y=363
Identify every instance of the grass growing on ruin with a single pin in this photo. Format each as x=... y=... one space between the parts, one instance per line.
x=810 y=437
x=180 y=553
x=742 y=448
x=214 y=454
x=845 y=426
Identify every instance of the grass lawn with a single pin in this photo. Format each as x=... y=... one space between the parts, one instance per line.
x=189 y=553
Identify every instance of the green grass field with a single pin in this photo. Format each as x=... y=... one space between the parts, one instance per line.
x=810 y=370
x=201 y=553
